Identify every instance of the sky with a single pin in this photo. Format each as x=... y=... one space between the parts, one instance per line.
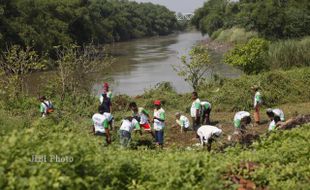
x=184 y=6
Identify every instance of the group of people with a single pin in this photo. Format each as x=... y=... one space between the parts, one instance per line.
x=154 y=125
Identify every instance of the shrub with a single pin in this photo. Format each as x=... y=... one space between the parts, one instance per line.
x=233 y=35
x=250 y=57
x=289 y=53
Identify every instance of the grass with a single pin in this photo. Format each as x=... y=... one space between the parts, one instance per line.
x=233 y=35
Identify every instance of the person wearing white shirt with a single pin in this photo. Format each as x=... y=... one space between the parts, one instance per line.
x=241 y=119
x=207 y=133
x=275 y=116
x=128 y=125
x=182 y=121
x=195 y=111
x=101 y=125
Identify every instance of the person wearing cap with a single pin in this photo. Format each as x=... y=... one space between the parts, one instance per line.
x=195 y=111
x=142 y=116
x=101 y=124
x=241 y=120
x=257 y=103
x=205 y=112
x=159 y=123
x=275 y=116
x=206 y=135
x=128 y=125
x=182 y=121
x=46 y=106
x=106 y=90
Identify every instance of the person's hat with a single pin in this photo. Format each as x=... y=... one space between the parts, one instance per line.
x=177 y=114
x=157 y=102
x=106 y=84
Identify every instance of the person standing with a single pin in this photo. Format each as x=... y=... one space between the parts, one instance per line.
x=195 y=111
x=257 y=104
x=105 y=101
x=207 y=133
x=106 y=90
x=46 y=106
x=101 y=124
x=205 y=112
x=128 y=125
x=159 y=123
x=182 y=121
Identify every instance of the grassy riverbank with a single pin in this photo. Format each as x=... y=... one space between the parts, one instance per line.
x=276 y=161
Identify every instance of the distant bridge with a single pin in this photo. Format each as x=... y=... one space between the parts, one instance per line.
x=184 y=16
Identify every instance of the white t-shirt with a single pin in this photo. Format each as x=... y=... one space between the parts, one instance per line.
x=99 y=122
x=205 y=132
x=129 y=126
x=272 y=126
x=195 y=106
x=257 y=98
x=159 y=125
x=206 y=104
x=183 y=121
x=143 y=117
x=109 y=116
x=279 y=113
x=239 y=116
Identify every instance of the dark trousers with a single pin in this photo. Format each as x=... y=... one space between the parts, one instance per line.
x=196 y=123
x=206 y=116
x=159 y=137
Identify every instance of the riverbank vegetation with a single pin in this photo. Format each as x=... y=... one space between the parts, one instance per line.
x=271 y=19
x=44 y=24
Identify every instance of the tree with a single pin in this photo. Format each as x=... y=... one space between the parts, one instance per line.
x=194 y=68
x=249 y=57
x=75 y=63
x=15 y=64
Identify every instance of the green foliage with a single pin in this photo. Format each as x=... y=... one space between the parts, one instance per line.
x=74 y=64
x=233 y=35
x=193 y=69
x=271 y=19
x=289 y=53
x=15 y=64
x=282 y=159
x=250 y=57
x=277 y=87
x=43 y=24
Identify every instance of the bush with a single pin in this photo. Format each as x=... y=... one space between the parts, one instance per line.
x=289 y=53
x=282 y=160
x=249 y=57
x=233 y=35
x=277 y=87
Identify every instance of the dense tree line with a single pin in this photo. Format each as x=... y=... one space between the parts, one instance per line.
x=43 y=24
x=272 y=19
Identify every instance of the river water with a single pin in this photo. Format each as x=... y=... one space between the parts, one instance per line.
x=141 y=64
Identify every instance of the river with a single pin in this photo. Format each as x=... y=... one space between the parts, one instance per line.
x=141 y=64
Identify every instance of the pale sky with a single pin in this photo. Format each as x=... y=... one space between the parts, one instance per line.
x=184 y=6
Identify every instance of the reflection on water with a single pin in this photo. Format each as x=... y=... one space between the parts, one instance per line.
x=143 y=63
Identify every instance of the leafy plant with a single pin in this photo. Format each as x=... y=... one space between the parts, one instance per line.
x=250 y=57
x=194 y=68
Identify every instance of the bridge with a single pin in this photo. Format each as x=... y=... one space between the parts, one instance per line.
x=184 y=16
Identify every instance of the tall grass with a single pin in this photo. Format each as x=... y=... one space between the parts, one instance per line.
x=233 y=35
x=289 y=53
